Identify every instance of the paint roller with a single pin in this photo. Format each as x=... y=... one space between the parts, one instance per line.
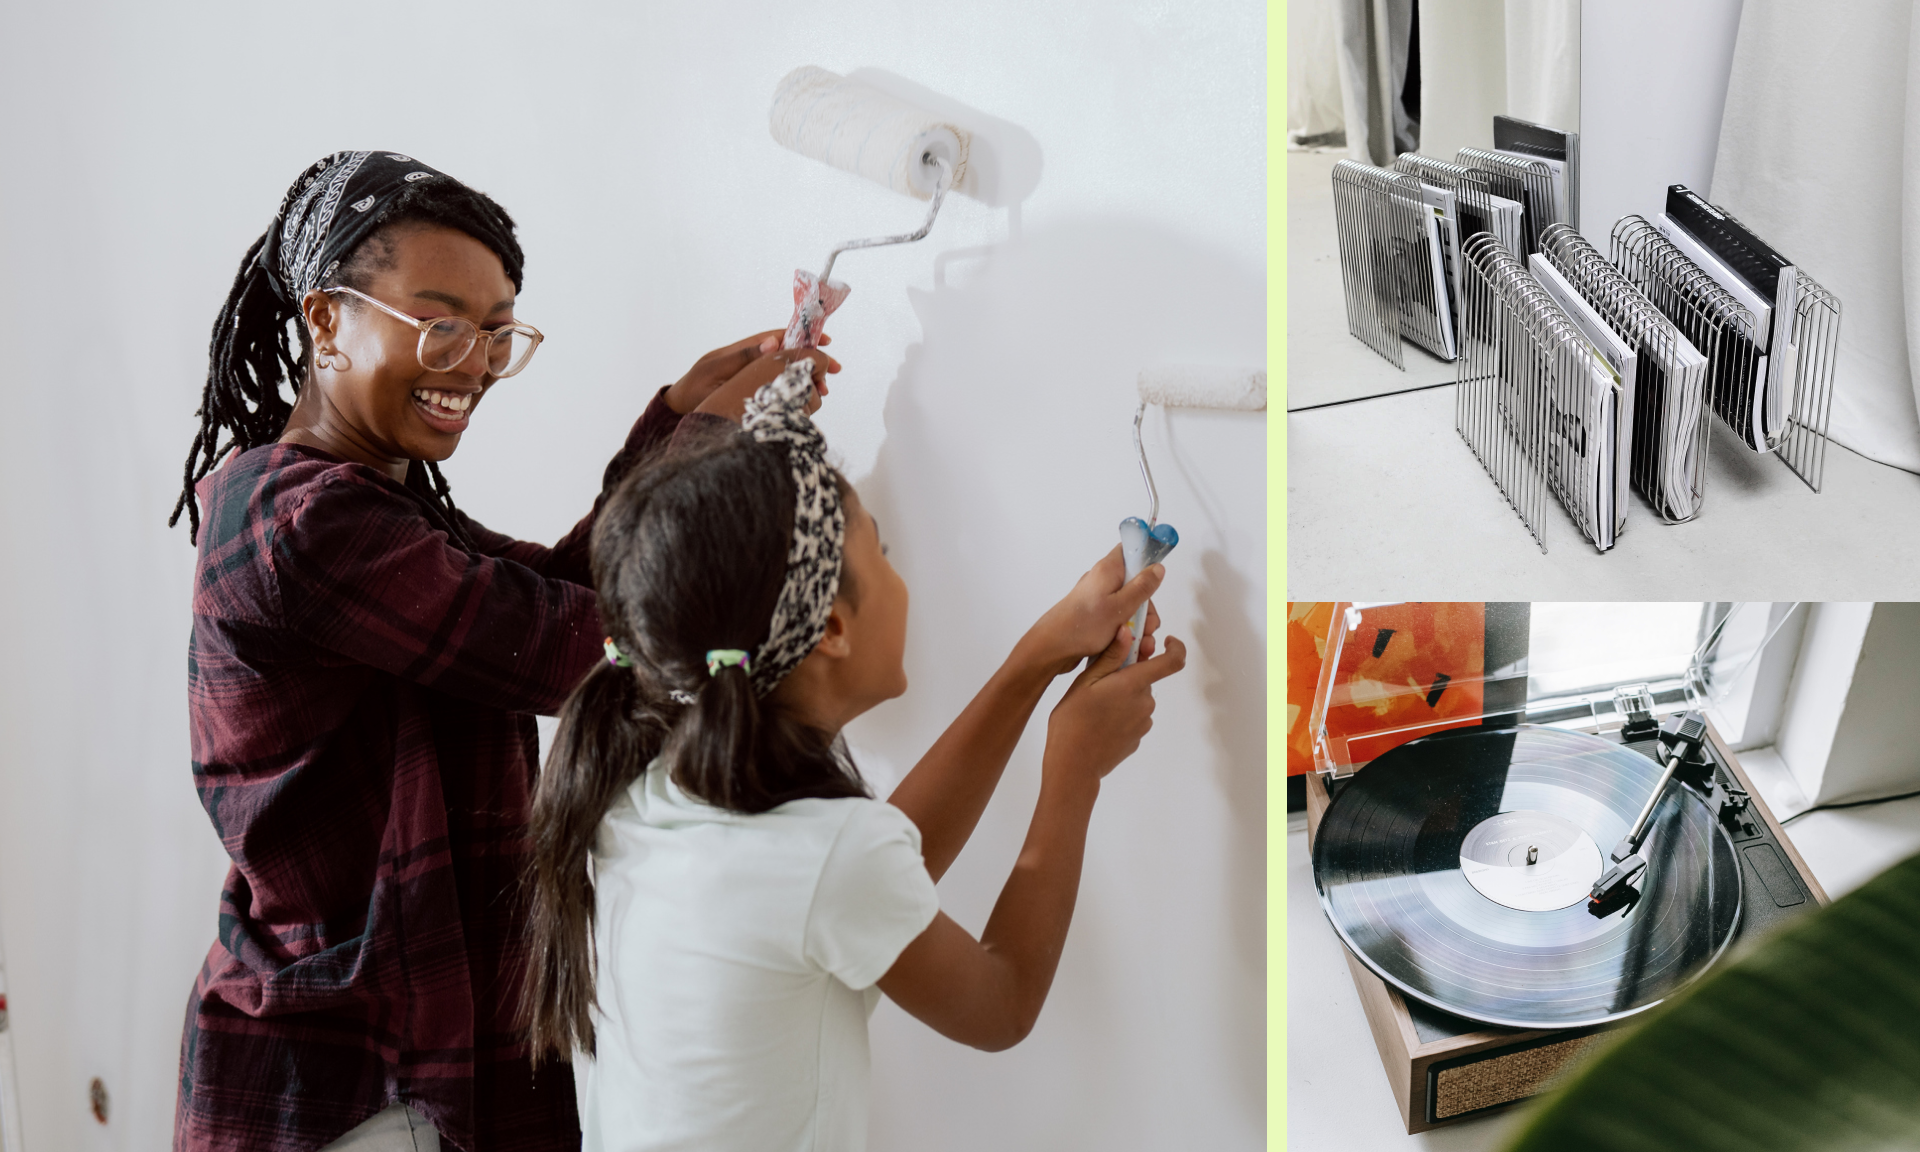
x=862 y=130
x=1144 y=543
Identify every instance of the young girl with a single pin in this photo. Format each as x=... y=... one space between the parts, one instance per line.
x=716 y=899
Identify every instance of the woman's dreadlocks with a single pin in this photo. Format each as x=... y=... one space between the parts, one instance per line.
x=252 y=351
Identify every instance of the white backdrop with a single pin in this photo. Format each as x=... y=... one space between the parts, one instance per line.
x=1820 y=111
x=984 y=413
x=1650 y=105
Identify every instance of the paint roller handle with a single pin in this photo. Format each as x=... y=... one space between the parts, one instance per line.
x=1138 y=621
x=1143 y=545
x=1138 y=624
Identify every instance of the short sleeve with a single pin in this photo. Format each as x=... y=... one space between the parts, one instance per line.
x=874 y=896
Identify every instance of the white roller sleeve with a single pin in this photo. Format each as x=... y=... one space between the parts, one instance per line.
x=864 y=131
x=1194 y=386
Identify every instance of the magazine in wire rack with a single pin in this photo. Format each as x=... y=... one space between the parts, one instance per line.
x=1669 y=429
x=1541 y=408
x=1459 y=197
x=1527 y=181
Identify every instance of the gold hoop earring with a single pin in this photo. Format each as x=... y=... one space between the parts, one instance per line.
x=338 y=361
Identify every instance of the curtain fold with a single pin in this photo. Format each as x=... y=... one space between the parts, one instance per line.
x=1372 y=38
x=1820 y=153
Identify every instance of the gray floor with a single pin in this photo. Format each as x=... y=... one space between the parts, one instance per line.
x=1384 y=500
x=1337 y=1094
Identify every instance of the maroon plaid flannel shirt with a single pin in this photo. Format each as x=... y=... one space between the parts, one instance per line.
x=362 y=692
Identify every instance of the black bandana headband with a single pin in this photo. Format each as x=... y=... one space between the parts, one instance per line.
x=777 y=414
x=334 y=205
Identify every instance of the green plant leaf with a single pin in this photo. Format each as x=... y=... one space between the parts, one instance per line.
x=1811 y=1041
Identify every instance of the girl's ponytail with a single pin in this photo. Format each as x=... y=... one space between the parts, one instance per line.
x=603 y=744
x=712 y=748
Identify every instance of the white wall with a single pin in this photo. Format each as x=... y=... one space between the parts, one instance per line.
x=1849 y=730
x=1543 y=62
x=1876 y=749
x=1653 y=85
x=985 y=411
x=1822 y=679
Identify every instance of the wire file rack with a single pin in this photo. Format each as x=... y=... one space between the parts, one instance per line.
x=1527 y=182
x=1392 y=261
x=1732 y=339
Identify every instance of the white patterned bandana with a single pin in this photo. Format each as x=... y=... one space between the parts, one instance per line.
x=777 y=414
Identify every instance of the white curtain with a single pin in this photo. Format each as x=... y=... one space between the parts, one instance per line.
x=1543 y=62
x=1372 y=38
x=1314 y=112
x=1347 y=64
x=1820 y=154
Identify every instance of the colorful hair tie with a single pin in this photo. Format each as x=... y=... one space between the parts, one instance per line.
x=719 y=658
x=616 y=657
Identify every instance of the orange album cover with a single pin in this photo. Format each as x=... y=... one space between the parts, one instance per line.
x=1414 y=666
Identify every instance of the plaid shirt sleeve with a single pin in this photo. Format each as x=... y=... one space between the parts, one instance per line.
x=363 y=573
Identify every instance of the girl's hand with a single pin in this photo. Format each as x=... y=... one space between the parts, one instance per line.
x=1083 y=623
x=721 y=365
x=1104 y=715
x=730 y=398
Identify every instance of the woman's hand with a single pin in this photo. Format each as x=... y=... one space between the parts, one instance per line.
x=1104 y=715
x=730 y=398
x=1083 y=623
x=716 y=368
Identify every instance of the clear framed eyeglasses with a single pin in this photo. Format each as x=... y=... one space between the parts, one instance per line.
x=446 y=341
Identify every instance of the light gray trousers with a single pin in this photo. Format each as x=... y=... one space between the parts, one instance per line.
x=395 y=1128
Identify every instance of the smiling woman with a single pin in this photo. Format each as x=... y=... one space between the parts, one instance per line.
x=365 y=665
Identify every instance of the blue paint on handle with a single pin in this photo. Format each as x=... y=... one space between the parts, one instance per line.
x=1143 y=546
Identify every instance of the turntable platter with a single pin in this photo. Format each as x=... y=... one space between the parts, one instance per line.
x=1457 y=866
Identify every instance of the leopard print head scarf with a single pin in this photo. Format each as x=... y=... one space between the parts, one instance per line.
x=777 y=414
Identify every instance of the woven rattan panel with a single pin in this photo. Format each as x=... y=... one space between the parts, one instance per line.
x=1503 y=1078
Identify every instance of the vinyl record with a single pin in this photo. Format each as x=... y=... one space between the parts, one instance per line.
x=1421 y=862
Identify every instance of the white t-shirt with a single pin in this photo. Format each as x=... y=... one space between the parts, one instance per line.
x=736 y=957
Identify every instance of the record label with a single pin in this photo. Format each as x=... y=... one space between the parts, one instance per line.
x=1530 y=861
x=1421 y=865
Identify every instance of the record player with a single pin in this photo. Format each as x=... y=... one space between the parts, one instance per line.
x=1513 y=879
